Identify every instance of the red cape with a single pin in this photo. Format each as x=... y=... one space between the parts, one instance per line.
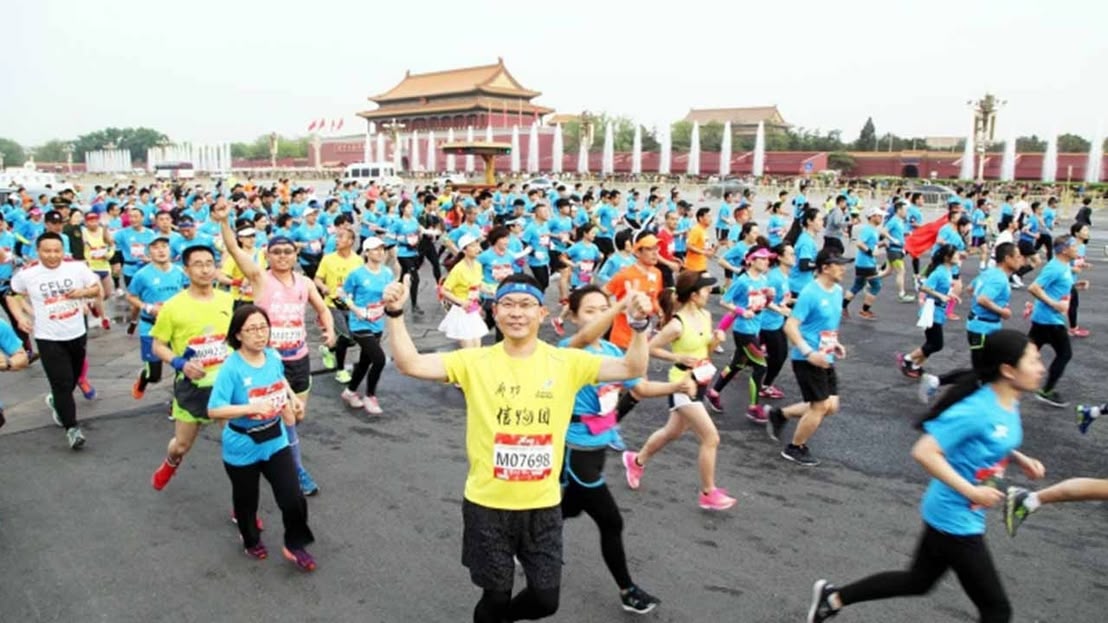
x=920 y=241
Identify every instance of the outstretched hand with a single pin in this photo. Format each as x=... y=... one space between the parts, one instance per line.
x=396 y=294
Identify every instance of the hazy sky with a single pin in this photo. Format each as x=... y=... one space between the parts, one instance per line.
x=208 y=70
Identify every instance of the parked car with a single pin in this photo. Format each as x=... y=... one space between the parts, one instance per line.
x=729 y=184
x=541 y=183
x=934 y=195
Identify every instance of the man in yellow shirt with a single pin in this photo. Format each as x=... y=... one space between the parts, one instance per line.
x=519 y=400
x=329 y=277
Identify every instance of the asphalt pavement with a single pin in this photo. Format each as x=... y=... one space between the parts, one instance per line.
x=83 y=536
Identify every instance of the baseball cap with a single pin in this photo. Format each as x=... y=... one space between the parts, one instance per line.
x=874 y=211
x=276 y=240
x=649 y=240
x=164 y=239
x=761 y=252
x=310 y=211
x=830 y=256
x=53 y=216
x=467 y=240
x=705 y=280
x=246 y=231
x=373 y=242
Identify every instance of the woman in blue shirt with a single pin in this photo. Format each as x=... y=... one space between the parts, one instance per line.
x=772 y=330
x=406 y=231
x=969 y=437
x=363 y=290
x=803 y=273
x=937 y=287
x=251 y=393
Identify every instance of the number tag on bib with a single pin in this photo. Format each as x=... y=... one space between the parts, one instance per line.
x=315 y=246
x=828 y=341
x=704 y=372
x=61 y=308
x=98 y=254
x=756 y=300
x=500 y=271
x=210 y=350
x=273 y=396
x=522 y=458
x=138 y=252
x=412 y=239
x=374 y=311
x=286 y=337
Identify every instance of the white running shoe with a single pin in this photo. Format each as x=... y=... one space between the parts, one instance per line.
x=352 y=399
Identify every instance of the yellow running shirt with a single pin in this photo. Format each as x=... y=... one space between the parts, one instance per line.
x=333 y=269
x=184 y=322
x=244 y=291
x=462 y=280
x=696 y=335
x=98 y=249
x=517 y=414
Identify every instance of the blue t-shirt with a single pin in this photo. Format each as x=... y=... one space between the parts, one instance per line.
x=9 y=341
x=557 y=226
x=805 y=248
x=133 y=245
x=406 y=233
x=940 y=280
x=587 y=401
x=153 y=285
x=1048 y=218
x=819 y=312
x=681 y=236
x=776 y=229
x=735 y=255
x=456 y=234
x=978 y=218
x=894 y=230
x=615 y=263
x=1056 y=280
x=178 y=245
x=748 y=293
x=914 y=216
x=538 y=238
x=948 y=234
x=7 y=243
x=585 y=255
x=771 y=320
x=366 y=288
x=239 y=383
x=313 y=237
x=723 y=216
x=869 y=237
x=976 y=435
x=494 y=268
x=606 y=216
x=992 y=284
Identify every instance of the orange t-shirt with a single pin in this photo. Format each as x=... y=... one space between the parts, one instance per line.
x=698 y=237
x=646 y=280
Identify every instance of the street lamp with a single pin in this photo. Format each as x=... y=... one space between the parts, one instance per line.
x=273 y=150
x=69 y=148
x=394 y=127
x=984 y=127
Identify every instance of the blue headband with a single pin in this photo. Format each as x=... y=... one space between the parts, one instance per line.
x=517 y=287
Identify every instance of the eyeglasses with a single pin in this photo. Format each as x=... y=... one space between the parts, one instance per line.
x=282 y=251
x=526 y=305
x=256 y=329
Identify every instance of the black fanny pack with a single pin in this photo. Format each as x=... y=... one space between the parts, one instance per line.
x=260 y=434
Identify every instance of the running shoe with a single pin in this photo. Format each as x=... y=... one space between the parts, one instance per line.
x=757 y=414
x=53 y=411
x=634 y=470
x=617 y=440
x=1016 y=282
x=1052 y=398
x=352 y=399
x=300 y=557
x=719 y=349
x=800 y=455
x=559 y=326
x=953 y=316
x=87 y=389
x=372 y=407
x=258 y=552
x=417 y=311
x=343 y=376
x=714 y=400
x=257 y=521
x=638 y=601
x=905 y=366
x=131 y=326
x=137 y=392
x=775 y=423
x=105 y=323
x=821 y=609
x=1085 y=417
x=905 y=298
x=1015 y=512
x=928 y=387
x=772 y=392
x=307 y=486
x=846 y=314
x=1027 y=309
x=75 y=438
x=1079 y=332
x=716 y=500
x=328 y=357
x=163 y=474
x=867 y=315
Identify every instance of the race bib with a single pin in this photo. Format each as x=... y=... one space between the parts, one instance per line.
x=273 y=397
x=544 y=241
x=522 y=458
x=756 y=301
x=609 y=398
x=208 y=350
x=138 y=252
x=315 y=246
x=587 y=266
x=412 y=239
x=288 y=336
x=98 y=254
x=828 y=341
x=500 y=271
x=374 y=311
x=62 y=308
x=704 y=372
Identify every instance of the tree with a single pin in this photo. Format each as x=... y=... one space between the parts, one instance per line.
x=13 y=152
x=711 y=137
x=840 y=161
x=51 y=151
x=867 y=137
x=1072 y=143
x=681 y=135
x=135 y=140
x=1031 y=143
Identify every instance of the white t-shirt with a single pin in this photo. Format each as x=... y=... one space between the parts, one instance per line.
x=57 y=318
x=1002 y=237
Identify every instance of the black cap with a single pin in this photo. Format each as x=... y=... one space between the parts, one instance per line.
x=830 y=256
x=53 y=216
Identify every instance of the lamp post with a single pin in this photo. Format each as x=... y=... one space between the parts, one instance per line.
x=273 y=150
x=317 y=148
x=1 y=161
x=984 y=127
x=69 y=157
x=394 y=127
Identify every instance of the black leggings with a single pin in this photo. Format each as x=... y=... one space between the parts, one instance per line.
x=777 y=350
x=937 y=552
x=1045 y=240
x=529 y=604
x=542 y=275
x=151 y=373
x=427 y=251
x=280 y=471
x=584 y=490
x=371 y=362
x=932 y=340
x=1073 y=307
x=1058 y=338
x=747 y=352
x=62 y=362
x=410 y=266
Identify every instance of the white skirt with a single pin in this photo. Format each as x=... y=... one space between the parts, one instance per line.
x=459 y=325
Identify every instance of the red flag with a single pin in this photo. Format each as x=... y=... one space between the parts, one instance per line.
x=311 y=126
x=322 y=123
x=333 y=122
x=340 y=125
x=920 y=241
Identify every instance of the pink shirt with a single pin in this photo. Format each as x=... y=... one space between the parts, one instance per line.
x=286 y=306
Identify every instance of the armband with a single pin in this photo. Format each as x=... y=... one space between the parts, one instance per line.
x=806 y=350
x=178 y=363
x=394 y=313
x=639 y=325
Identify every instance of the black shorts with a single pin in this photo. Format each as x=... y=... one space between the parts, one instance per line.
x=1027 y=249
x=298 y=372
x=556 y=261
x=977 y=241
x=816 y=384
x=893 y=255
x=491 y=537
x=116 y=258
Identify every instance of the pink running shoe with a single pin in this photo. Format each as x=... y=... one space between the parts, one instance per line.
x=300 y=557
x=372 y=407
x=258 y=552
x=352 y=399
x=634 y=470
x=757 y=414
x=714 y=400
x=717 y=500
x=1079 y=332
x=772 y=392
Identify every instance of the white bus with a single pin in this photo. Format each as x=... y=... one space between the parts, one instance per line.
x=362 y=173
x=174 y=171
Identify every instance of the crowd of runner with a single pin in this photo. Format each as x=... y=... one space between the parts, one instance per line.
x=216 y=283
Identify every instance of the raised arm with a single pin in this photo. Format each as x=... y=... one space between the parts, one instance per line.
x=409 y=361
x=246 y=264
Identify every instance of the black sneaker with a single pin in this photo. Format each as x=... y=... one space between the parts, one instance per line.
x=799 y=454
x=638 y=601
x=775 y=423
x=821 y=609
x=1052 y=398
x=131 y=326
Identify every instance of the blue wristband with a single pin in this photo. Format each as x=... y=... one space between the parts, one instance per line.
x=178 y=363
